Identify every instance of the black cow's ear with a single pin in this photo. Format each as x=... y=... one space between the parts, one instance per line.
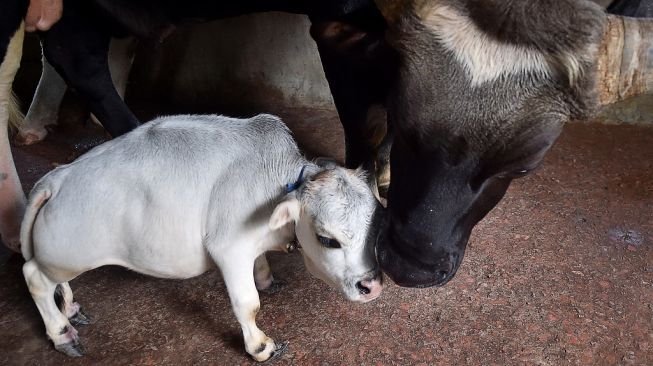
x=326 y=163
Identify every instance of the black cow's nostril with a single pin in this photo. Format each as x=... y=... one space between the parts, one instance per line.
x=442 y=276
x=362 y=289
x=454 y=259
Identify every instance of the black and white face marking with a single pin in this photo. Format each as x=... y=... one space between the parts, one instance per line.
x=478 y=99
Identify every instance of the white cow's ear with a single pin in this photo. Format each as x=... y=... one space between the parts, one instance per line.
x=285 y=212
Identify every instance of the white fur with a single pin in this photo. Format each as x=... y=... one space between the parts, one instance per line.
x=180 y=193
x=12 y=199
x=16 y=116
x=484 y=58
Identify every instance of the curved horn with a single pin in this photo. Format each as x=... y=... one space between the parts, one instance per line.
x=625 y=61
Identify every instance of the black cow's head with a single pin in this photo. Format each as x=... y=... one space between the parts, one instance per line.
x=482 y=91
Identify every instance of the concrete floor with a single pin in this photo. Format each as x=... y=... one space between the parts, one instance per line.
x=561 y=272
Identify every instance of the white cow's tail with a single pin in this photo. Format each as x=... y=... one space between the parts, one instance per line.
x=16 y=116
x=37 y=199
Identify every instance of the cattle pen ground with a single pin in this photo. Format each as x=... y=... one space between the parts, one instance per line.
x=560 y=272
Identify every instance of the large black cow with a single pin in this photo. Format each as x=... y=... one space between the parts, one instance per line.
x=476 y=92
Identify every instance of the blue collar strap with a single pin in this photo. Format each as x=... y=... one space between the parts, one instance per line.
x=293 y=186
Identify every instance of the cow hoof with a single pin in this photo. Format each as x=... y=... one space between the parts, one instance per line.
x=275 y=287
x=267 y=351
x=79 y=318
x=30 y=136
x=72 y=349
x=279 y=349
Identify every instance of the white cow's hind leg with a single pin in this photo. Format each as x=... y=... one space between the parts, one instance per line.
x=12 y=199
x=237 y=274
x=44 y=109
x=263 y=278
x=71 y=309
x=57 y=326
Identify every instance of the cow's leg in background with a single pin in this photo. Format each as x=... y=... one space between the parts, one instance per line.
x=44 y=108
x=78 y=51
x=12 y=198
x=357 y=65
x=352 y=84
x=50 y=91
x=121 y=59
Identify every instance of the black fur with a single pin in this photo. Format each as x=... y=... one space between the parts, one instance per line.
x=457 y=147
x=12 y=13
x=632 y=8
x=78 y=44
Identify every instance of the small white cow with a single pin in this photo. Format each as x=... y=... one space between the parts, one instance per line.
x=179 y=193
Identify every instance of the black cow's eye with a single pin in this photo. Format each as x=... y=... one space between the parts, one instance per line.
x=328 y=242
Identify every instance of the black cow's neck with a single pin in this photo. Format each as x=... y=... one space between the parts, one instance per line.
x=145 y=18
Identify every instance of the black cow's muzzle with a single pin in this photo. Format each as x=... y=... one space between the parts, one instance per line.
x=407 y=270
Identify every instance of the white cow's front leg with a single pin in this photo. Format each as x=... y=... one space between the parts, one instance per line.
x=44 y=109
x=265 y=281
x=237 y=274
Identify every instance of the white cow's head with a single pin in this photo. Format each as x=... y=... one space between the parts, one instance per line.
x=332 y=212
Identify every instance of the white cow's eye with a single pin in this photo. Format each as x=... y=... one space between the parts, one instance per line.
x=328 y=242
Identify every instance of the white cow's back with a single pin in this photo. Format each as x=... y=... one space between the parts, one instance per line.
x=148 y=199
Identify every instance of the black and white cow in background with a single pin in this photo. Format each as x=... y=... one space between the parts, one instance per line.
x=174 y=196
x=476 y=92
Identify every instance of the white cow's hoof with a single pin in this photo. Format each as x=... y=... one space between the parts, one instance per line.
x=280 y=349
x=72 y=348
x=268 y=350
